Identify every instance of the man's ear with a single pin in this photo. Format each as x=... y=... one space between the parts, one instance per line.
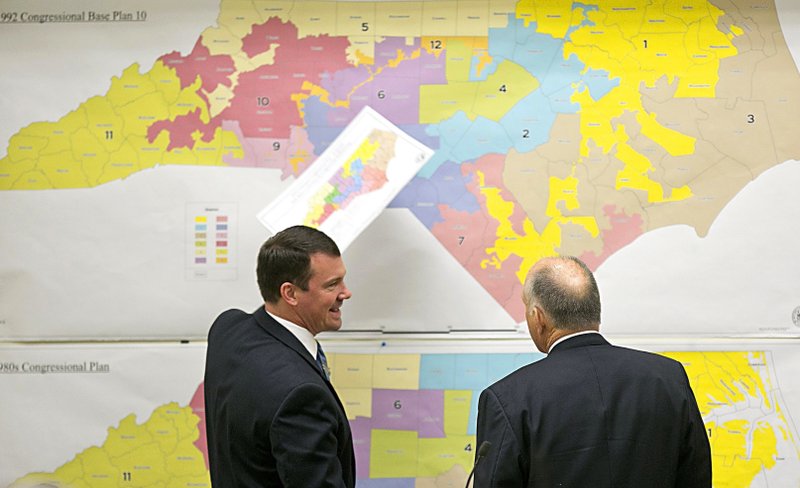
x=539 y=319
x=289 y=293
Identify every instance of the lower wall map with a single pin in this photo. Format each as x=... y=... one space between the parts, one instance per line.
x=92 y=415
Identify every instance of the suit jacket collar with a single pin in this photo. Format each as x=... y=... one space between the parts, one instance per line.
x=580 y=341
x=279 y=332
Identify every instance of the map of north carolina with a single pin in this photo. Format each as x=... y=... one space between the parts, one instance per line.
x=413 y=418
x=559 y=127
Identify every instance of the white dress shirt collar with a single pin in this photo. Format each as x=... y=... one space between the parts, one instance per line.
x=583 y=332
x=303 y=335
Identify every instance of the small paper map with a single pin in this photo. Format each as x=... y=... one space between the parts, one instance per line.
x=351 y=182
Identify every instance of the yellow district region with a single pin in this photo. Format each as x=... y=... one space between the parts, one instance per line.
x=491 y=98
x=634 y=175
x=714 y=374
x=316 y=205
x=357 y=401
x=674 y=142
x=105 y=138
x=728 y=382
x=402 y=454
x=741 y=450
x=351 y=370
x=234 y=21
x=554 y=18
x=457 y=405
x=359 y=19
x=159 y=452
x=437 y=456
x=530 y=246
x=365 y=152
x=597 y=125
x=396 y=371
x=640 y=42
x=393 y=454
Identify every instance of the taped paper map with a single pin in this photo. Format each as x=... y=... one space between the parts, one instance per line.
x=352 y=181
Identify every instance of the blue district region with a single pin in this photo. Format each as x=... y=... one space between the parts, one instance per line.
x=352 y=183
x=461 y=139
x=598 y=83
x=320 y=133
x=528 y=124
x=585 y=22
x=469 y=372
x=447 y=186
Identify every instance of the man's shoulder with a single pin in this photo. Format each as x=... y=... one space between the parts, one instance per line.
x=234 y=323
x=645 y=356
x=511 y=382
x=232 y=315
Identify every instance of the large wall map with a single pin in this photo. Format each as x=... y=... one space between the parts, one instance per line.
x=413 y=415
x=559 y=128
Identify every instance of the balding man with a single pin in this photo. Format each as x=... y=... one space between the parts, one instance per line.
x=589 y=414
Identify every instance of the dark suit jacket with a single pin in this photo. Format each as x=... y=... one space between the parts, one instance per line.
x=593 y=415
x=272 y=419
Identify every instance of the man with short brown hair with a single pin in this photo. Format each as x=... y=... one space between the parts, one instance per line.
x=273 y=418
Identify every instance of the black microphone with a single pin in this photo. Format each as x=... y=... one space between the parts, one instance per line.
x=482 y=450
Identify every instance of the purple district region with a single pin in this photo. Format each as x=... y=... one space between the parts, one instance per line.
x=321 y=134
x=340 y=83
x=421 y=411
x=393 y=91
x=388 y=49
x=447 y=186
x=361 y=428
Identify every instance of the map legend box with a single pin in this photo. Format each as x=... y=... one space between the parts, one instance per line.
x=210 y=249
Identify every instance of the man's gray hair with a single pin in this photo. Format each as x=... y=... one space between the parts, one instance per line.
x=571 y=304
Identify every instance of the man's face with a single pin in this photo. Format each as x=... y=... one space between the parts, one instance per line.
x=319 y=307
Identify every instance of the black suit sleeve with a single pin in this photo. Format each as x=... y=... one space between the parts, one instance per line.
x=501 y=467
x=694 y=460
x=304 y=439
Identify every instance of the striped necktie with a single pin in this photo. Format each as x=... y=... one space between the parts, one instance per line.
x=322 y=362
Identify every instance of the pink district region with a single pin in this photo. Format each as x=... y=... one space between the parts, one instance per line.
x=181 y=130
x=624 y=230
x=292 y=156
x=198 y=404
x=212 y=70
x=467 y=236
x=262 y=101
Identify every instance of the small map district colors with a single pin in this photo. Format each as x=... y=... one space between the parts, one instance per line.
x=413 y=420
x=364 y=172
x=559 y=127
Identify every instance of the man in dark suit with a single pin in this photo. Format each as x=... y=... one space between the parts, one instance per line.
x=272 y=417
x=589 y=414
